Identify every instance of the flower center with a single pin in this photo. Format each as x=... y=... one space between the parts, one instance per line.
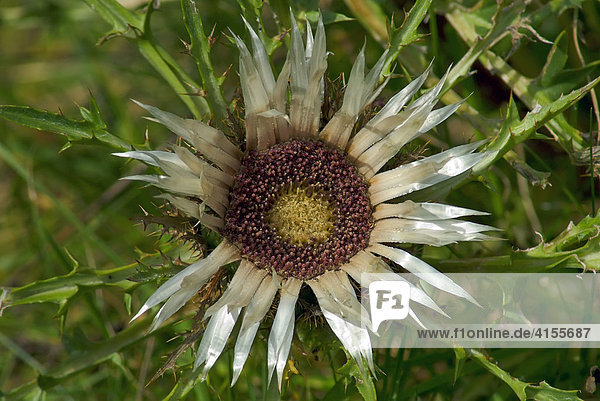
x=301 y=215
x=299 y=208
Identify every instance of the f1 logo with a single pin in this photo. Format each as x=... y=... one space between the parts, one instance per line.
x=389 y=300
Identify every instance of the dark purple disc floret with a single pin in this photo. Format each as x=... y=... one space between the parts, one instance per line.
x=307 y=164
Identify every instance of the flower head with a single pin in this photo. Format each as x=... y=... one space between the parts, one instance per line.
x=306 y=201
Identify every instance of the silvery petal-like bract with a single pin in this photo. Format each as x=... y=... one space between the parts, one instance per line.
x=304 y=200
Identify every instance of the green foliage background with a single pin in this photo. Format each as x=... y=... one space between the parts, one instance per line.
x=74 y=264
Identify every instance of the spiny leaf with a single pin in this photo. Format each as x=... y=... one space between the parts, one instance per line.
x=535 y=119
x=364 y=381
x=112 y=140
x=533 y=176
x=565 y=81
x=507 y=18
x=523 y=87
x=545 y=392
x=60 y=288
x=41 y=120
x=75 y=130
x=504 y=135
x=577 y=247
x=407 y=33
x=525 y=391
x=581 y=240
x=516 y=385
x=515 y=131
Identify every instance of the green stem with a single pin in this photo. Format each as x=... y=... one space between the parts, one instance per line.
x=137 y=29
x=200 y=51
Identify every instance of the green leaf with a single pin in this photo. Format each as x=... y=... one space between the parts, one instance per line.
x=533 y=176
x=553 y=8
x=535 y=119
x=112 y=140
x=556 y=59
x=515 y=131
x=251 y=9
x=60 y=288
x=506 y=19
x=461 y=357
x=127 y=298
x=362 y=376
x=522 y=87
x=580 y=243
x=577 y=247
x=115 y=14
x=93 y=114
x=525 y=391
x=517 y=386
x=545 y=392
x=565 y=81
x=407 y=33
x=45 y=121
x=93 y=126
x=503 y=136
x=186 y=382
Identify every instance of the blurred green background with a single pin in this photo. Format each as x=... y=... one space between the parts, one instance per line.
x=62 y=209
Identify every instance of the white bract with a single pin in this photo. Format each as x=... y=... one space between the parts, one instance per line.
x=199 y=186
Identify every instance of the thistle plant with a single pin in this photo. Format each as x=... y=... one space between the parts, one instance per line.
x=298 y=147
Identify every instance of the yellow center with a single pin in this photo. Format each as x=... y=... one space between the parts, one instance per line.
x=301 y=215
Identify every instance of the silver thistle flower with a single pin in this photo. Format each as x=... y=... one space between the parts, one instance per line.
x=305 y=204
